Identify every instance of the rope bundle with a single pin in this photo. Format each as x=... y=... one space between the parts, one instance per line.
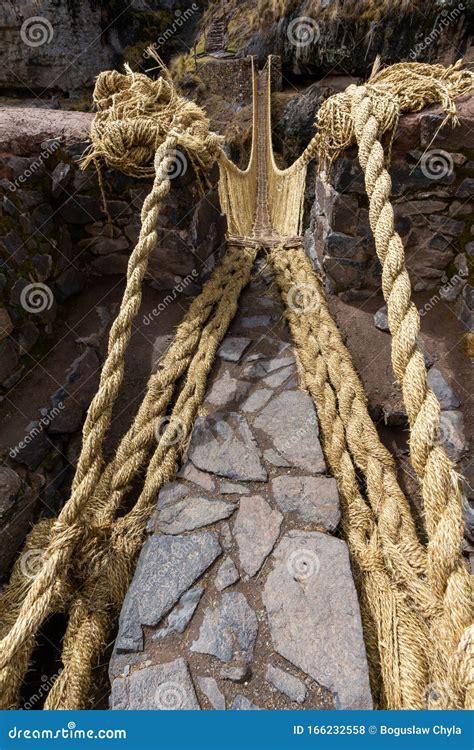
x=415 y=599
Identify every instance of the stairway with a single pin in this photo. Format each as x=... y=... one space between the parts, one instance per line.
x=216 y=37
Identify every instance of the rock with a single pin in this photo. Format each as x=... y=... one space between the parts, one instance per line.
x=60 y=177
x=257 y=321
x=339 y=245
x=229 y=630
x=257 y=400
x=226 y=390
x=180 y=617
x=200 y=478
x=225 y=446
x=232 y=348
x=167 y=567
x=278 y=378
x=235 y=674
x=451 y=434
x=256 y=530
x=286 y=683
x=274 y=458
x=241 y=703
x=81 y=209
x=33 y=448
x=446 y=396
x=171 y=493
x=71 y=401
x=314 y=618
x=192 y=513
x=313 y=499
x=8 y=359
x=69 y=282
x=381 y=319
x=226 y=575
x=289 y=420
x=6 y=325
x=108 y=245
x=166 y=687
x=466 y=188
x=211 y=690
x=10 y=484
x=231 y=488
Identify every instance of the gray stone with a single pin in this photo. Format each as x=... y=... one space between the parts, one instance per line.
x=255 y=530
x=381 y=319
x=257 y=400
x=71 y=281
x=232 y=348
x=226 y=446
x=290 y=422
x=211 y=690
x=231 y=488
x=227 y=390
x=466 y=188
x=241 y=703
x=257 y=321
x=166 y=687
x=314 y=618
x=171 y=493
x=226 y=575
x=274 y=458
x=108 y=245
x=286 y=683
x=278 y=378
x=167 y=567
x=192 y=513
x=446 y=396
x=225 y=536
x=8 y=358
x=10 y=484
x=235 y=674
x=33 y=447
x=200 y=478
x=229 y=630
x=313 y=499
x=180 y=617
x=451 y=428
x=60 y=177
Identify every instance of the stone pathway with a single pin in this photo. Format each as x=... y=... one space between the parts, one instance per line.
x=243 y=597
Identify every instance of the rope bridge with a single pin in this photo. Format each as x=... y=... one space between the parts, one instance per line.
x=415 y=597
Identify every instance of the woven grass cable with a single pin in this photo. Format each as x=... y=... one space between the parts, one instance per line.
x=380 y=533
x=361 y=115
x=129 y=106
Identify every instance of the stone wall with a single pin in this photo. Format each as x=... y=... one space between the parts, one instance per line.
x=232 y=78
x=433 y=180
x=54 y=233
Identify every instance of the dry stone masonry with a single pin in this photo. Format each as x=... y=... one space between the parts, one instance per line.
x=243 y=597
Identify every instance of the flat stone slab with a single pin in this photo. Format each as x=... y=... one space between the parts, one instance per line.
x=211 y=690
x=232 y=348
x=313 y=499
x=314 y=617
x=226 y=390
x=181 y=615
x=256 y=529
x=167 y=567
x=166 y=687
x=224 y=445
x=289 y=420
x=192 y=513
x=226 y=575
x=257 y=400
x=241 y=703
x=229 y=630
x=286 y=683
